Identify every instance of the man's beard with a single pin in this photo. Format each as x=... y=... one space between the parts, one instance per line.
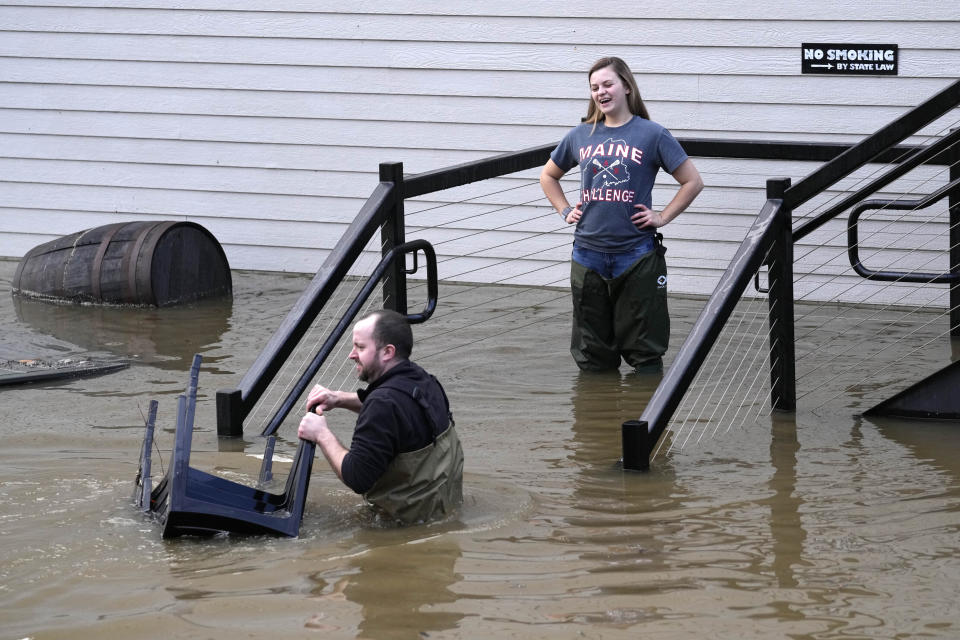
x=371 y=373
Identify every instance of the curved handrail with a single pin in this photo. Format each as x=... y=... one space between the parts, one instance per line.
x=853 y=243
x=331 y=342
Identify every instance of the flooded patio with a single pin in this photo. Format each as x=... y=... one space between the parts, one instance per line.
x=821 y=524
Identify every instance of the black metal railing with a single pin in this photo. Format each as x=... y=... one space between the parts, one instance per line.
x=233 y=405
x=640 y=436
x=771 y=241
x=393 y=257
x=384 y=211
x=853 y=240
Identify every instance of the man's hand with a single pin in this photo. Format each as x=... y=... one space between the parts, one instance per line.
x=313 y=426
x=321 y=397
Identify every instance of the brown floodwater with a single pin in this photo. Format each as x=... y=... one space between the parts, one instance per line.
x=821 y=524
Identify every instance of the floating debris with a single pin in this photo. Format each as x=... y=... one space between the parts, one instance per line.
x=14 y=372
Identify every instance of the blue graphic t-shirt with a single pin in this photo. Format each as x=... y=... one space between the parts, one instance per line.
x=618 y=166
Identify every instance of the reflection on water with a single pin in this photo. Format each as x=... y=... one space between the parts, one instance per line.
x=148 y=335
x=400 y=588
x=814 y=525
x=786 y=526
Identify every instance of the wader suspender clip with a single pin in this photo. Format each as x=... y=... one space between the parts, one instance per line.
x=418 y=397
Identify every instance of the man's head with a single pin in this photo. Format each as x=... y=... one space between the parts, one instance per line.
x=381 y=340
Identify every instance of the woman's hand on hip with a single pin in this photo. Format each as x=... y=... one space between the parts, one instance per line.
x=646 y=218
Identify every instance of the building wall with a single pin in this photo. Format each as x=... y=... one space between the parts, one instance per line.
x=267 y=125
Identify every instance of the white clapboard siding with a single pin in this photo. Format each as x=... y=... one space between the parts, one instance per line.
x=750 y=32
x=541 y=85
x=485 y=138
x=926 y=62
x=314 y=109
x=798 y=10
x=266 y=122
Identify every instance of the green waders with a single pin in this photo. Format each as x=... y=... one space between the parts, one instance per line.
x=626 y=316
x=422 y=485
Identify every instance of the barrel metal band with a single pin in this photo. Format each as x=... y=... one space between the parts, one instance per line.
x=97 y=266
x=157 y=231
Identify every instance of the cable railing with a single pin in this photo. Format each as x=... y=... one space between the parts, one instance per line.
x=772 y=242
x=501 y=236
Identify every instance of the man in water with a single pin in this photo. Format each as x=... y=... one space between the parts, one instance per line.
x=405 y=456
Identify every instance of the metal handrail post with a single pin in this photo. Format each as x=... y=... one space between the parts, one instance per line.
x=783 y=376
x=393 y=234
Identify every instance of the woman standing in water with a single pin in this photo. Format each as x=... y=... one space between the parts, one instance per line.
x=618 y=274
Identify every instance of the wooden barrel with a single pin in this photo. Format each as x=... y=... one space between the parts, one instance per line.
x=138 y=263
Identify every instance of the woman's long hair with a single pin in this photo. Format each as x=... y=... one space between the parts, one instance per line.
x=634 y=101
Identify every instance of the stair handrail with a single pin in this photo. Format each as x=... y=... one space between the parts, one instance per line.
x=853 y=241
x=348 y=316
x=640 y=436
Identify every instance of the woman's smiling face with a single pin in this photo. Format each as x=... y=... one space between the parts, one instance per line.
x=609 y=93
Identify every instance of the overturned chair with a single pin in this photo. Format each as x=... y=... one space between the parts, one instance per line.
x=188 y=501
